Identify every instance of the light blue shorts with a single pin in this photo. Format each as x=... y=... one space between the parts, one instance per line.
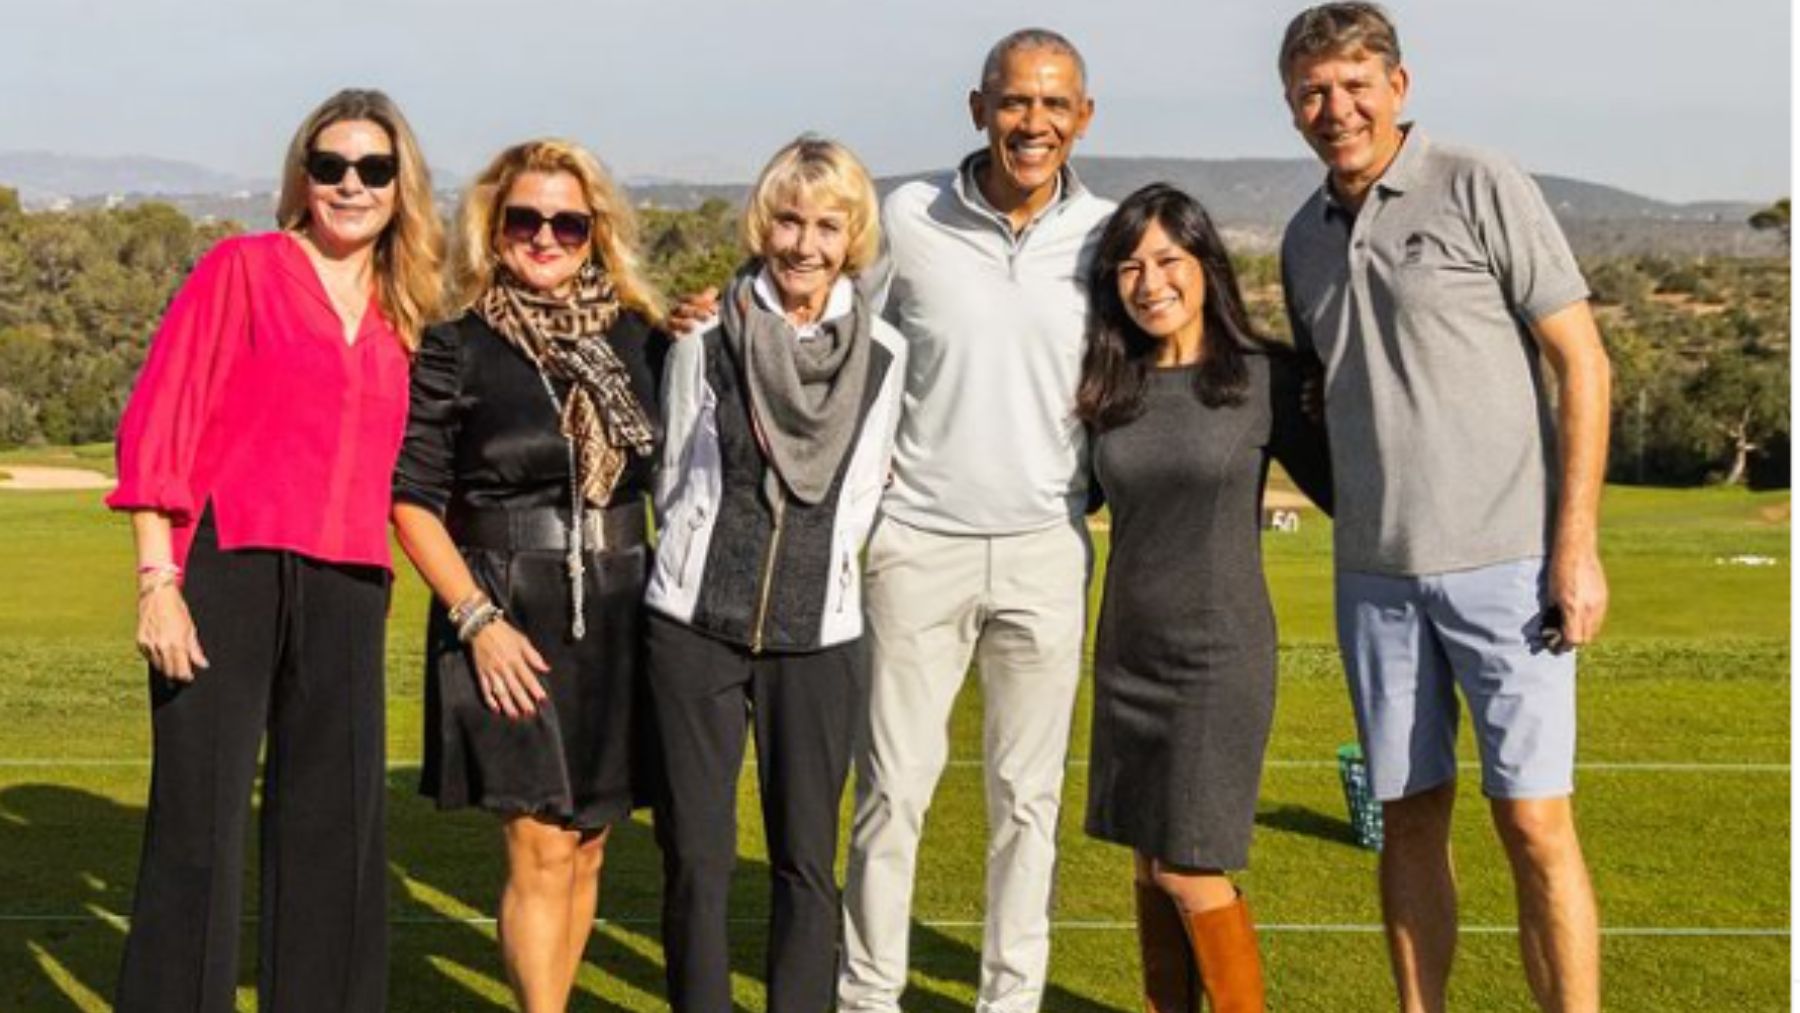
x=1408 y=641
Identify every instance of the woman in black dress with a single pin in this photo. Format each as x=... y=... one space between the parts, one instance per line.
x=520 y=499
x=1187 y=405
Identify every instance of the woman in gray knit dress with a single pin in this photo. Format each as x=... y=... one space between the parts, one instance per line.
x=1187 y=406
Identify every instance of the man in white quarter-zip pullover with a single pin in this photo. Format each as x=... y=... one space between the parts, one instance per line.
x=981 y=553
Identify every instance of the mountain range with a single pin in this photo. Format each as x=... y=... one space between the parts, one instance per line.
x=1251 y=197
x=44 y=178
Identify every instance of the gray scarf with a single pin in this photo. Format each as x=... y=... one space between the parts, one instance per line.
x=805 y=396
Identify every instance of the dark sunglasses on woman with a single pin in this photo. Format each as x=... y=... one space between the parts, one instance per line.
x=327 y=168
x=568 y=228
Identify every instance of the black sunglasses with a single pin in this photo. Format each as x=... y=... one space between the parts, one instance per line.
x=568 y=228
x=327 y=168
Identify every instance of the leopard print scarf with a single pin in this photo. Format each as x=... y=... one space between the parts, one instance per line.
x=601 y=417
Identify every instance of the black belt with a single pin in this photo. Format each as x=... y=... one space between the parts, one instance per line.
x=546 y=529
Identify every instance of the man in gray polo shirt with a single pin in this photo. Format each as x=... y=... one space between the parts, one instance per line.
x=1431 y=281
x=981 y=552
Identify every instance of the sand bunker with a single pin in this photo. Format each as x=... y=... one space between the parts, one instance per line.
x=1282 y=499
x=39 y=478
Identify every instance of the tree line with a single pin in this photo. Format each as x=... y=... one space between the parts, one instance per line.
x=1699 y=345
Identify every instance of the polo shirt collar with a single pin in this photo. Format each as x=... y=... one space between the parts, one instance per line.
x=1403 y=171
x=1068 y=187
x=1401 y=175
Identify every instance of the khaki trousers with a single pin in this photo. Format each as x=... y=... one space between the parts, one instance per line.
x=1015 y=604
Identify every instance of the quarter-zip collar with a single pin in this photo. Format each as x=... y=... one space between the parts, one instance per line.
x=968 y=191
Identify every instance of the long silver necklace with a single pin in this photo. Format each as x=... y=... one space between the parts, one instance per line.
x=576 y=560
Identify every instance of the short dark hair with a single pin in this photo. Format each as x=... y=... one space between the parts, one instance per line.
x=1030 y=38
x=1335 y=29
x=1115 y=367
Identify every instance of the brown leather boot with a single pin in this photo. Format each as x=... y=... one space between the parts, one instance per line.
x=1224 y=941
x=1169 y=985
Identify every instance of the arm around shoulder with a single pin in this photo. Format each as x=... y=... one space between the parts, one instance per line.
x=1297 y=438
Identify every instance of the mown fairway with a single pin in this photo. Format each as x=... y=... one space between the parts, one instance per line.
x=1683 y=799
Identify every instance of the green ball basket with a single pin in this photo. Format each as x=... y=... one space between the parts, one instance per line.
x=1365 y=811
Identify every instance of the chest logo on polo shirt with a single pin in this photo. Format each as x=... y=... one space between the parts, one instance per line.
x=1415 y=249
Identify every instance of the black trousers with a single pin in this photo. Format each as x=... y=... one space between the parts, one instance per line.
x=296 y=651
x=805 y=710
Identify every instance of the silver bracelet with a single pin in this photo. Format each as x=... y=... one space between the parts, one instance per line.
x=484 y=615
x=462 y=610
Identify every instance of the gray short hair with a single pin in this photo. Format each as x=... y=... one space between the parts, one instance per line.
x=1030 y=38
x=1337 y=29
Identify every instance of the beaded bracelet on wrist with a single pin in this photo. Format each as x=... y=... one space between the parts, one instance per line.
x=485 y=615
x=462 y=610
x=148 y=586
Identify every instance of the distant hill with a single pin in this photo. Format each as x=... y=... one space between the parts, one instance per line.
x=1251 y=197
x=1265 y=191
x=44 y=178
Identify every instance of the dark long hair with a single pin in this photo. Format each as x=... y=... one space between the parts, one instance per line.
x=1119 y=353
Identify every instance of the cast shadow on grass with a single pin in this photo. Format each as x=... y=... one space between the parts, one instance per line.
x=71 y=856
x=69 y=861
x=456 y=857
x=944 y=958
x=66 y=856
x=449 y=867
x=68 y=866
x=1298 y=819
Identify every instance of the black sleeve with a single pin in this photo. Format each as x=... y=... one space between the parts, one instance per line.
x=1296 y=441
x=656 y=353
x=1302 y=335
x=1096 y=494
x=642 y=347
x=426 y=469
x=656 y=356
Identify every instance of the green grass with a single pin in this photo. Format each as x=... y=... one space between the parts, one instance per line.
x=1694 y=670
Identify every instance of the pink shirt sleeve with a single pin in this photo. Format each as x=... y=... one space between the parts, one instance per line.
x=180 y=387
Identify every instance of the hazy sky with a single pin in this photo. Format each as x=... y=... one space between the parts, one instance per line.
x=1680 y=101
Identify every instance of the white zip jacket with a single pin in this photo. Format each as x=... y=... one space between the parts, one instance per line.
x=727 y=563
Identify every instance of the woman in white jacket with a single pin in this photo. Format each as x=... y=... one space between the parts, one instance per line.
x=779 y=422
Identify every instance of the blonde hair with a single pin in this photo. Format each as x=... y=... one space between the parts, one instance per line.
x=409 y=254
x=823 y=170
x=615 y=234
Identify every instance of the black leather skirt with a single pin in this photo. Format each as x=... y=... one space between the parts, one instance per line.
x=583 y=760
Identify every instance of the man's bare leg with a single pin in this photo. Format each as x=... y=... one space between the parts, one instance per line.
x=1418 y=896
x=1559 y=926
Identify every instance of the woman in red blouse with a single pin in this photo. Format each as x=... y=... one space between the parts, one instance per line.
x=255 y=457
